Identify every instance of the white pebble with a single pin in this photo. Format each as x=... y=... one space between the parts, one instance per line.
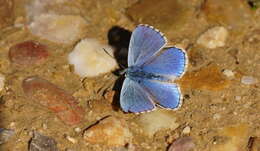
x=186 y=130
x=228 y=73
x=238 y=98
x=77 y=129
x=12 y=124
x=31 y=133
x=44 y=126
x=71 y=139
x=2 y=82
x=213 y=38
x=90 y=59
x=64 y=29
x=248 y=80
x=150 y=125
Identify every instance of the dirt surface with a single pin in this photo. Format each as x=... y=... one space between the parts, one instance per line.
x=216 y=108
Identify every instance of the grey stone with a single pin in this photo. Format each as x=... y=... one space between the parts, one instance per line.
x=42 y=143
x=5 y=135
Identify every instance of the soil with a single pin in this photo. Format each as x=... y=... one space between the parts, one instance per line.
x=211 y=103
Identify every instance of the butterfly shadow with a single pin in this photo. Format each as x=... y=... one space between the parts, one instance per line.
x=119 y=38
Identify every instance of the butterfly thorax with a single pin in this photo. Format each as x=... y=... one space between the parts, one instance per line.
x=137 y=73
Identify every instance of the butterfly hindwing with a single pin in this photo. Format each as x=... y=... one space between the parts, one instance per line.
x=144 y=43
x=170 y=62
x=134 y=98
x=166 y=95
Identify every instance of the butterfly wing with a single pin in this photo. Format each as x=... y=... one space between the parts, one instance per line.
x=166 y=95
x=144 y=52
x=144 y=43
x=170 y=62
x=134 y=98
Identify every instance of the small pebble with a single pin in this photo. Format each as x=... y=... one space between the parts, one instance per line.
x=10 y=103
x=5 y=135
x=186 y=130
x=2 y=82
x=97 y=62
x=44 y=126
x=237 y=18
x=228 y=73
x=57 y=100
x=248 y=80
x=238 y=98
x=64 y=29
x=206 y=78
x=150 y=125
x=77 y=129
x=182 y=144
x=214 y=37
x=111 y=131
x=71 y=139
x=42 y=143
x=30 y=133
x=12 y=124
x=231 y=138
x=28 y=53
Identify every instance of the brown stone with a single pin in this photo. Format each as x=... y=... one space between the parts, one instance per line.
x=232 y=138
x=207 y=78
x=164 y=15
x=182 y=144
x=64 y=29
x=221 y=12
x=28 y=53
x=64 y=105
x=110 y=131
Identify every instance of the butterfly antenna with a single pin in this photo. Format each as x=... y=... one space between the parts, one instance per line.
x=121 y=66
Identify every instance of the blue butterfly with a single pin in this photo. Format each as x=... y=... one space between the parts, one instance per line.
x=152 y=68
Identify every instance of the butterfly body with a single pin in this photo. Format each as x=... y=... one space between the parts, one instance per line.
x=151 y=72
x=137 y=74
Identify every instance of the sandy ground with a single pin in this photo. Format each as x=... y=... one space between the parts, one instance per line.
x=217 y=108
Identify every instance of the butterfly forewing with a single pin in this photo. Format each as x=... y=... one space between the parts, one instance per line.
x=144 y=43
x=171 y=62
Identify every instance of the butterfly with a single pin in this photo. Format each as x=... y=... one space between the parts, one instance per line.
x=151 y=69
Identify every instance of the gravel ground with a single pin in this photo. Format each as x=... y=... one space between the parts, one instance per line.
x=220 y=110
